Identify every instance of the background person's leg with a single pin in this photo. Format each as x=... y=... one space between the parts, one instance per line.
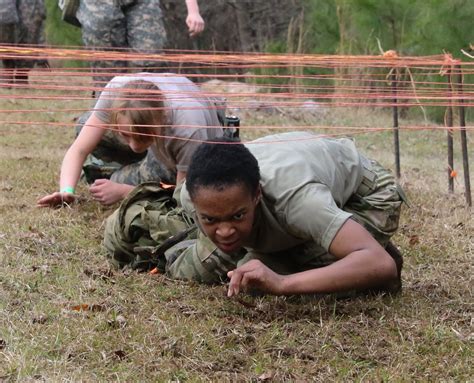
x=146 y=33
x=103 y=26
x=7 y=36
x=31 y=31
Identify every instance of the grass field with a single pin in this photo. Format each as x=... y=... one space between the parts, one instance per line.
x=65 y=316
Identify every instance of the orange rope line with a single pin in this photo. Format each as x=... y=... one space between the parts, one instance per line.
x=360 y=92
x=253 y=127
x=403 y=86
x=11 y=51
x=355 y=81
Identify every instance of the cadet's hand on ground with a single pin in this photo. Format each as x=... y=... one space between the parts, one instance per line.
x=254 y=275
x=108 y=192
x=195 y=24
x=56 y=199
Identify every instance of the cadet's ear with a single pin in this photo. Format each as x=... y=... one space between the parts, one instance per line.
x=258 y=195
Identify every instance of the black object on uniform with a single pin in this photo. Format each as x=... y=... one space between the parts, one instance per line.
x=233 y=121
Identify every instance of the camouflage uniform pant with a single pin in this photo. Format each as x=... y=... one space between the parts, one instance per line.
x=32 y=21
x=376 y=206
x=7 y=36
x=115 y=24
x=25 y=26
x=114 y=159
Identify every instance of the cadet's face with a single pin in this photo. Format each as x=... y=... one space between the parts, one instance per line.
x=226 y=215
x=124 y=130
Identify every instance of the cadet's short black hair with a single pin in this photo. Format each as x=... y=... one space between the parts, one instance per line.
x=222 y=163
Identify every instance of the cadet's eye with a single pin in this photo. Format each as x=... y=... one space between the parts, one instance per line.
x=238 y=216
x=207 y=220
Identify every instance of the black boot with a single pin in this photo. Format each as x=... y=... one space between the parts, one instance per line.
x=21 y=76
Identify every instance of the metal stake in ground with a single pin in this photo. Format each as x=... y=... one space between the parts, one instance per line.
x=396 y=128
x=449 y=123
x=462 y=124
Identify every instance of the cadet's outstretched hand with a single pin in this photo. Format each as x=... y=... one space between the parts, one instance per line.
x=254 y=275
x=56 y=199
x=108 y=192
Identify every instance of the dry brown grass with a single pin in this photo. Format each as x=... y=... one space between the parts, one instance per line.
x=142 y=328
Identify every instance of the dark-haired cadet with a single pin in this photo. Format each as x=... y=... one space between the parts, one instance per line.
x=312 y=214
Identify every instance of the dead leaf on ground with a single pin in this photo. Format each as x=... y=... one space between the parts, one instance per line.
x=87 y=307
x=266 y=376
x=414 y=239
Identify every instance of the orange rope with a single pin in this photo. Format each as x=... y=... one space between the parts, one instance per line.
x=276 y=81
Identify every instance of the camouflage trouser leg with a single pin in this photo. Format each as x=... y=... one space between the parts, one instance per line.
x=147 y=169
x=377 y=203
x=146 y=34
x=7 y=33
x=103 y=27
x=376 y=206
x=134 y=173
x=109 y=24
x=32 y=17
x=7 y=36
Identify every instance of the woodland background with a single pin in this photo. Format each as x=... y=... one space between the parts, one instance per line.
x=311 y=26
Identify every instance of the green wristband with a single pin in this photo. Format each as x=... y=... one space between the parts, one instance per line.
x=67 y=189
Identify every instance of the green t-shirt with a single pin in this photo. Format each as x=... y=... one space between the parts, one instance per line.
x=306 y=180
